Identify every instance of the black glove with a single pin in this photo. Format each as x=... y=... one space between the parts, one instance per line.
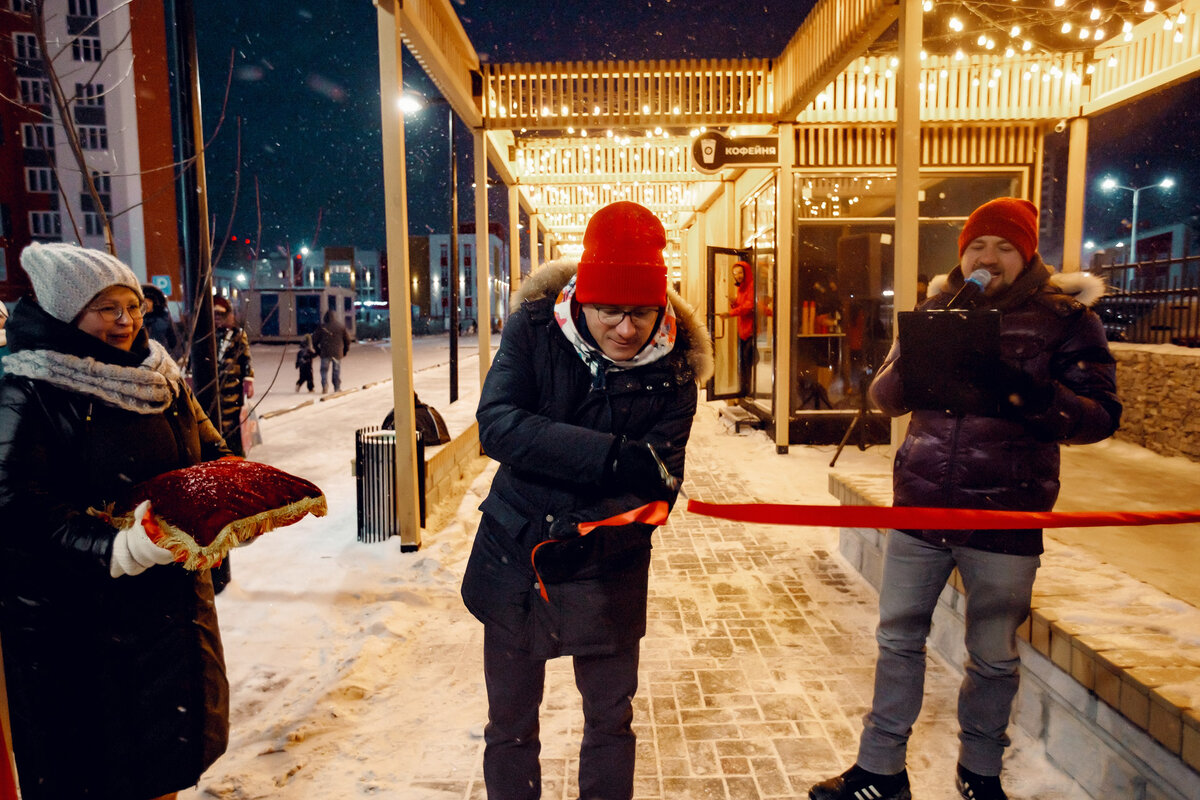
x=636 y=466
x=1017 y=393
x=565 y=527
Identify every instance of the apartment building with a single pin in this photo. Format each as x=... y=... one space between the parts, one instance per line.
x=111 y=59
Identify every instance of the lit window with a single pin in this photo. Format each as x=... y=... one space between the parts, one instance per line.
x=89 y=94
x=93 y=137
x=82 y=8
x=40 y=179
x=45 y=225
x=91 y=224
x=86 y=48
x=25 y=47
x=37 y=136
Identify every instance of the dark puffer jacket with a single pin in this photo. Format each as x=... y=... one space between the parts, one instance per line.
x=990 y=462
x=116 y=686
x=552 y=433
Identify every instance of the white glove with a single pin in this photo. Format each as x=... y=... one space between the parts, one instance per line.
x=134 y=551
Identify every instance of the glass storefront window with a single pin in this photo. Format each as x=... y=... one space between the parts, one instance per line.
x=845 y=272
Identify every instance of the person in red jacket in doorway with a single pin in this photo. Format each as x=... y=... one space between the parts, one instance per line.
x=742 y=310
x=1052 y=382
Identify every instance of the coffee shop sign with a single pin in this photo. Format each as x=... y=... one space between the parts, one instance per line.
x=711 y=152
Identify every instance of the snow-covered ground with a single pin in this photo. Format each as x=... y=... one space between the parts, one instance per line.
x=356 y=671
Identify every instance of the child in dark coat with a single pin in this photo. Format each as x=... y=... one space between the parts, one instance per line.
x=304 y=362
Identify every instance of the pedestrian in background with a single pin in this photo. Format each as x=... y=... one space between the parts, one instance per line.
x=742 y=308
x=1053 y=382
x=332 y=341
x=588 y=407
x=158 y=322
x=235 y=384
x=112 y=654
x=3 y=336
x=304 y=362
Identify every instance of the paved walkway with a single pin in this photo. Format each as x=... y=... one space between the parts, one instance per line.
x=756 y=669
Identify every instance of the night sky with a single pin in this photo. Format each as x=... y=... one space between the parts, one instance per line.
x=305 y=85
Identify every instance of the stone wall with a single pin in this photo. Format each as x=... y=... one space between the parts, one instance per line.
x=1159 y=385
x=446 y=463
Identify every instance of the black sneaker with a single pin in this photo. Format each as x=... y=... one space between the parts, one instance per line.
x=978 y=787
x=858 y=784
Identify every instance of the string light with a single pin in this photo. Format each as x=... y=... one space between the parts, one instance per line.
x=1075 y=25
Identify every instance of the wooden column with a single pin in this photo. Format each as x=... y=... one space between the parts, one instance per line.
x=483 y=272
x=405 y=496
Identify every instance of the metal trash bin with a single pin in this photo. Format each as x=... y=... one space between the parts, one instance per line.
x=375 y=478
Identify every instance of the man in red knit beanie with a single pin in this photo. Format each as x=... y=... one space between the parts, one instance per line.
x=1054 y=381
x=588 y=407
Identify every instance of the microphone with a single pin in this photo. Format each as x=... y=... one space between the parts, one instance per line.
x=968 y=296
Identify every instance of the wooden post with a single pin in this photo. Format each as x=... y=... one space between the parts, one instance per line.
x=405 y=495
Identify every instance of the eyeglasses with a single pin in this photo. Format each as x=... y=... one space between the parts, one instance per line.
x=113 y=312
x=613 y=316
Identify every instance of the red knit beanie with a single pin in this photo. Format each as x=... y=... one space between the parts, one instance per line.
x=622 y=262
x=1007 y=217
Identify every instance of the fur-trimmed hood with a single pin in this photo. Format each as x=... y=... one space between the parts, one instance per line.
x=1084 y=287
x=694 y=340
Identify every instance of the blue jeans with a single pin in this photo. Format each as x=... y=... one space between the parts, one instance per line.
x=998 y=589
x=337 y=373
x=515 y=683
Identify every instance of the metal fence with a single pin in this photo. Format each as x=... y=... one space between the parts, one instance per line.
x=1152 y=303
x=375 y=473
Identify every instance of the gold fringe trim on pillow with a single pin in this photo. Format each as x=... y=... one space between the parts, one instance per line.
x=193 y=556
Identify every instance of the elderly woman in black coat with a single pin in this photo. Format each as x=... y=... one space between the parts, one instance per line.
x=112 y=656
x=588 y=407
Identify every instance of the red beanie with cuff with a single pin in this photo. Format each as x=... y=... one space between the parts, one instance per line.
x=622 y=262
x=1007 y=217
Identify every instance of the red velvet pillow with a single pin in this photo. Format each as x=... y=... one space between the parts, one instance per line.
x=207 y=509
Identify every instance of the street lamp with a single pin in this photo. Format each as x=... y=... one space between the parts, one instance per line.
x=410 y=103
x=1110 y=183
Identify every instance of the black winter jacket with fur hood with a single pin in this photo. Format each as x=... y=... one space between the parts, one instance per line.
x=552 y=432
x=1010 y=463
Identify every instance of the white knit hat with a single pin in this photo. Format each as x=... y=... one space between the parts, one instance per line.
x=66 y=277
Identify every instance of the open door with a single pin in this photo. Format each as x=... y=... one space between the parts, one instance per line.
x=725 y=382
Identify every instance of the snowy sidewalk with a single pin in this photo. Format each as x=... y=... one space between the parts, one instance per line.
x=357 y=671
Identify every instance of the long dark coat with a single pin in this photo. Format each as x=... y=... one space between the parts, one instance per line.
x=116 y=687
x=233 y=368
x=949 y=460
x=552 y=434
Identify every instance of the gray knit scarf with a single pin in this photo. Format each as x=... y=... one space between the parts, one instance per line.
x=147 y=388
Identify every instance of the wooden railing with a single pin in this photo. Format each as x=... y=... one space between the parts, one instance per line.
x=434 y=35
x=1152 y=56
x=953 y=90
x=875 y=145
x=615 y=94
x=832 y=34
x=606 y=159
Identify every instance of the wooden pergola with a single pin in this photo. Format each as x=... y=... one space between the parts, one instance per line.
x=862 y=83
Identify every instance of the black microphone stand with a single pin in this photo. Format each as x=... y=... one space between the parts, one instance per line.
x=859 y=422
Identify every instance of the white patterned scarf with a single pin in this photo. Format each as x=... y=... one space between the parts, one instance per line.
x=598 y=364
x=147 y=388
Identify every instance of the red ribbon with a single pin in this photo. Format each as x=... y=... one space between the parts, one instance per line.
x=654 y=513
x=931 y=518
